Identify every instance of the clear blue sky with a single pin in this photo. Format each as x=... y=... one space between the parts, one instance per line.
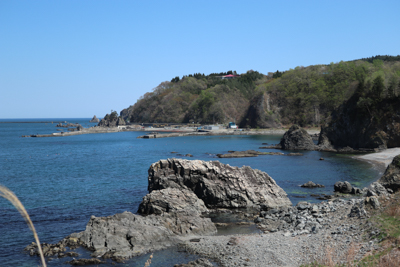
x=82 y=58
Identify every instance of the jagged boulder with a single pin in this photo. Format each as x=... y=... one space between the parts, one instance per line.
x=391 y=177
x=111 y=122
x=343 y=187
x=218 y=185
x=126 y=235
x=94 y=119
x=296 y=138
x=171 y=200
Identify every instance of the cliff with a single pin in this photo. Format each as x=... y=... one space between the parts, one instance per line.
x=375 y=126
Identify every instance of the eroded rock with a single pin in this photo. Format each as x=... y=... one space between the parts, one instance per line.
x=218 y=185
x=296 y=138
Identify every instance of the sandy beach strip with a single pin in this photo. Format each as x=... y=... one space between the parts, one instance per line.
x=384 y=157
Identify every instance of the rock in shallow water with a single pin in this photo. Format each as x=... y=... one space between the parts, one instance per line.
x=218 y=185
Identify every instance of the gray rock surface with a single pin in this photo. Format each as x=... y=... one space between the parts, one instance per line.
x=296 y=138
x=241 y=154
x=218 y=185
x=343 y=187
x=391 y=177
x=311 y=184
x=171 y=200
x=126 y=235
x=94 y=119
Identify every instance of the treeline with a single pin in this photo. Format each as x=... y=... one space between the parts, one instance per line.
x=304 y=95
x=197 y=98
x=307 y=96
x=383 y=58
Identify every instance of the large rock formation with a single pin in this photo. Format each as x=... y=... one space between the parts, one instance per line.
x=391 y=177
x=376 y=126
x=217 y=184
x=171 y=200
x=181 y=191
x=111 y=122
x=296 y=138
x=94 y=119
x=126 y=235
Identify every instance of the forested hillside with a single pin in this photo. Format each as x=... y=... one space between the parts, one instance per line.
x=304 y=95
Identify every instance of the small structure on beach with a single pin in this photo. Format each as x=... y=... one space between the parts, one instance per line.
x=211 y=127
x=232 y=125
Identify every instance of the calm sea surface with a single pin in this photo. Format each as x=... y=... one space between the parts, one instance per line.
x=62 y=181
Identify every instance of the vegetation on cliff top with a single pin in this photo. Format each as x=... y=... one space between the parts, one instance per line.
x=304 y=95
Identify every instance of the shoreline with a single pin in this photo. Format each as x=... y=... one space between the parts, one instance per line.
x=380 y=159
x=163 y=133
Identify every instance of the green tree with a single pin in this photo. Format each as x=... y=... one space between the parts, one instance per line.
x=378 y=87
x=391 y=91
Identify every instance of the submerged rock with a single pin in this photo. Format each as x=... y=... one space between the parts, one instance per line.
x=311 y=184
x=218 y=185
x=241 y=154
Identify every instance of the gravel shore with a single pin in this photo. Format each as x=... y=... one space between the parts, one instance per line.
x=339 y=238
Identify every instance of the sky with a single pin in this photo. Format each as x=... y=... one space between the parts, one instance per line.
x=76 y=59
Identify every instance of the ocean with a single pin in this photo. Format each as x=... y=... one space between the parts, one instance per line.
x=62 y=181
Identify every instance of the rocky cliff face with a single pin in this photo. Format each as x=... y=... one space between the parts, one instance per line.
x=375 y=127
x=261 y=113
x=217 y=184
x=391 y=177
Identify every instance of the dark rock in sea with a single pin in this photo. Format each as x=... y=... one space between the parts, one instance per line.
x=321 y=159
x=189 y=155
x=294 y=154
x=217 y=184
x=311 y=184
x=241 y=154
x=94 y=119
x=391 y=177
x=343 y=187
x=296 y=138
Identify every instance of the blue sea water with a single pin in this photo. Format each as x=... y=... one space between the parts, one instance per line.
x=62 y=181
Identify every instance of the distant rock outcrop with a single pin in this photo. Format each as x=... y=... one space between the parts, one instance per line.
x=296 y=138
x=218 y=185
x=111 y=122
x=94 y=119
x=391 y=177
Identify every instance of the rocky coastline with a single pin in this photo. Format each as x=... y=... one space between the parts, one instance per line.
x=183 y=192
